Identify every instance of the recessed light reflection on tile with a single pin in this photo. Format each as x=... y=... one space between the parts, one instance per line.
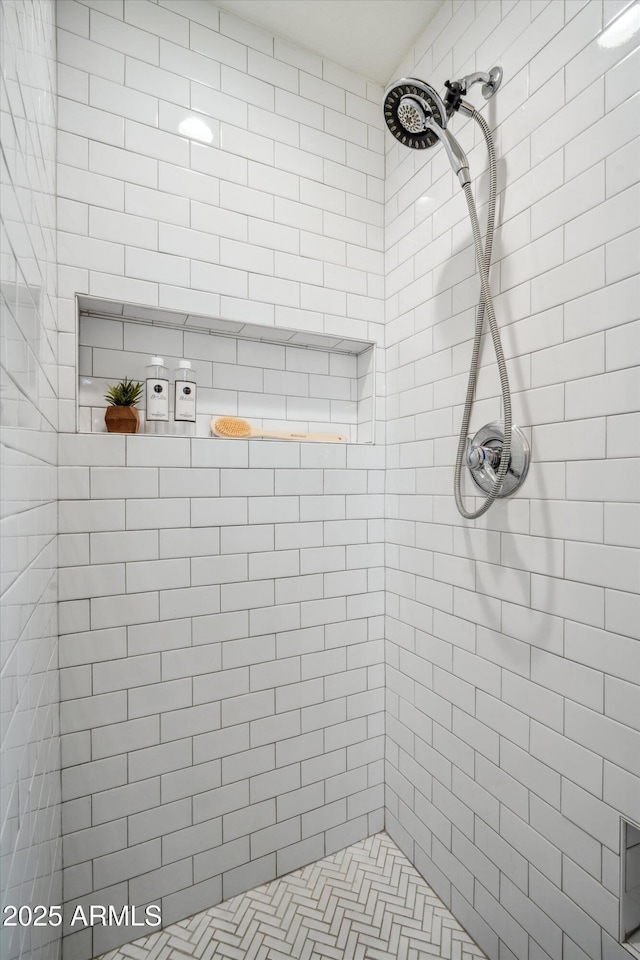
x=196 y=129
x=621 y=30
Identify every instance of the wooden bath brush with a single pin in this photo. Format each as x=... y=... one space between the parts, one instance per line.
x=236 y=429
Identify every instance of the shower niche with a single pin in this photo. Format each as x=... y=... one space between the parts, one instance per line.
x=630 y=886
x=275 y=378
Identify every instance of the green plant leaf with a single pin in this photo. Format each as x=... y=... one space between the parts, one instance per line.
x=126 y=393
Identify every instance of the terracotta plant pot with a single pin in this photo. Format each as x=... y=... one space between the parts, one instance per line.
x=122 y=419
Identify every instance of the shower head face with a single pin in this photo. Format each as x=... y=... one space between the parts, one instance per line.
x=408 y=105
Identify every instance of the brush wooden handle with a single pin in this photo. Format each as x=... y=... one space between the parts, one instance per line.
x=284 y=435
x=234 y=428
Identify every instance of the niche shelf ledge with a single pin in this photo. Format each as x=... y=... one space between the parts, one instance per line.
x=276 y=378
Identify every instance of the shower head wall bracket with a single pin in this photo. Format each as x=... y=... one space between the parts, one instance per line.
x=456 y=89
x=490 y=81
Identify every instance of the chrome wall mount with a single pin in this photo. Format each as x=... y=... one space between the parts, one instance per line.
x=490 y=81
x=484 y=452
x=457 y=89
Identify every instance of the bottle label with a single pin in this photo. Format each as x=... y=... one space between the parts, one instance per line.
x=185 y=401
x=157 y=399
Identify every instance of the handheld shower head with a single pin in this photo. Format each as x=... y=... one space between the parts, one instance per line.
x=408 y=104
x=417 y=117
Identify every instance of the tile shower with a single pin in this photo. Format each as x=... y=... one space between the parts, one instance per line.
x=270 y=651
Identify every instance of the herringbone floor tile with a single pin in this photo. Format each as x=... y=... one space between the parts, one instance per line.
x=366 y=902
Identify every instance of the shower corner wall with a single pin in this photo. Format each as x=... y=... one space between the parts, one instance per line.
x=521 y=844
x=29 y=689
x=223 y=704
x=221 y=601
x=512 y=643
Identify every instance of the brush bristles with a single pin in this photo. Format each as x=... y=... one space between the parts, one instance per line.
x=232 y=427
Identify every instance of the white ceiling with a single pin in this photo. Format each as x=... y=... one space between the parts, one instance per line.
x=369 y=37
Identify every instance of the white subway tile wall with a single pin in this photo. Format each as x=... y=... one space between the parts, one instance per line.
x=200 y=171
x=222 y=603
x=508 y=762
x=221 y=664
x=206 y=167
x=30 y=805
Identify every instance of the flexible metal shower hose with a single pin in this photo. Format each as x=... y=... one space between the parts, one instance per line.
x=485 y=304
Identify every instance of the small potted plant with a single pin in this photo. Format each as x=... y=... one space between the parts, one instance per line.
x=121 y=415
